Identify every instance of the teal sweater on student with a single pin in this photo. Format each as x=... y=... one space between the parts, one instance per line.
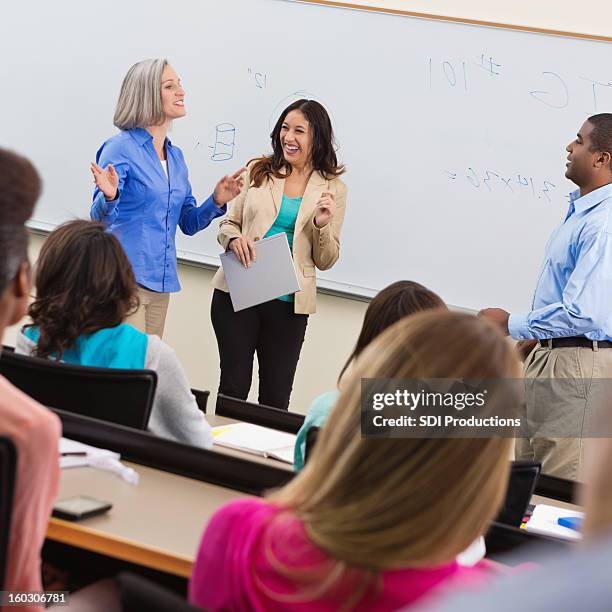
x=315 y=417
x=175 y=414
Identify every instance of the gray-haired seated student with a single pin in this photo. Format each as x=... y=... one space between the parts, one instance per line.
x=85 y=289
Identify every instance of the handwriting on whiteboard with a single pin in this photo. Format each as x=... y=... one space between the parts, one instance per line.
x=491 y=181
x=458 y=72
x=260 y=78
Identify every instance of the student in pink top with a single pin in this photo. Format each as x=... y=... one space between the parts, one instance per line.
x=34 y=429
x=369 y=524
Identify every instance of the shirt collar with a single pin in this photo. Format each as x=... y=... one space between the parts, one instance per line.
x=140 y=135
x=590 y=200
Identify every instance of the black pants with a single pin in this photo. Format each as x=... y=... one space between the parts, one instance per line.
x=274 y=331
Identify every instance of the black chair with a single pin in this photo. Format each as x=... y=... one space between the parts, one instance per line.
x=311 y=438
x=137 y=593
x=501 y=540
x=521 y=485
x=557 y=488
x=201 y=398
x=8 y=469
x=118 y=396
x=266 y=416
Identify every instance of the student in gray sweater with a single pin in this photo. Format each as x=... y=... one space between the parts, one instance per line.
x=85 y=289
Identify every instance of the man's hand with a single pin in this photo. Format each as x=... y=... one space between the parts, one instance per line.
x=524 y=347
x=497 y=315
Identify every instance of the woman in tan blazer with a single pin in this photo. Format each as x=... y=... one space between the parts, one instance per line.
x=295 y=190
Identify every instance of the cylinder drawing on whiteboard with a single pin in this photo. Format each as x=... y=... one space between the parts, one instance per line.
x=225 y=139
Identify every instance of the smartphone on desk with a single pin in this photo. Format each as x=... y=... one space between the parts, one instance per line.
x=79 y=507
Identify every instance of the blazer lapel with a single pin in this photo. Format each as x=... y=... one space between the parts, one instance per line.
x=316 y=185
x=277 y=187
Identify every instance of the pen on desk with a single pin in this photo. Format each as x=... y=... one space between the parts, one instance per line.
x=571 y=522
x=74 y=454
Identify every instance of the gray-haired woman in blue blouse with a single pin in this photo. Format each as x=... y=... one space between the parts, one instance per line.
x=142 y=186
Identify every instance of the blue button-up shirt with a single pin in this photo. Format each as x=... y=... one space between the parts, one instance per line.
x=149 y=206
x=573 y=296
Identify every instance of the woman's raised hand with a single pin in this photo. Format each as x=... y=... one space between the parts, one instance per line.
x=229 y=187
x=107 y=180
x=325 y=209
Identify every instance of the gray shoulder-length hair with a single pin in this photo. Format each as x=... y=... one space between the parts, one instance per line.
x=139 y=103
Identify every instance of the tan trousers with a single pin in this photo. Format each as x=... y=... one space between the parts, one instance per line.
x=150 y=317
x=568 y=405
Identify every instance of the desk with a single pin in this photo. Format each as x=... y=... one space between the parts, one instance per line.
x=538 y=499
x=156 y=524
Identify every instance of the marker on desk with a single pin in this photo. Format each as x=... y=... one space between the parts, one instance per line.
x=74 y=454
x=572 y=522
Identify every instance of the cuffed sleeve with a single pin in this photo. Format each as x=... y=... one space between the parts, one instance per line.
x=196 y=218
x=326 y=240
x=518 y=327
x=101 y=209
x=584 y=308
x=231 y=226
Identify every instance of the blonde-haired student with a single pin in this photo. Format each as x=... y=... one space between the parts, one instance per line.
x=369 y=523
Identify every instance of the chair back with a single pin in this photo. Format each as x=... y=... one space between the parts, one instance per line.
x=119 y=396
x=311 y=438
x=521 y=485
x=201 y=398
x=138 y=593
x=144 y=448
x=258 y=414
x=8 y=469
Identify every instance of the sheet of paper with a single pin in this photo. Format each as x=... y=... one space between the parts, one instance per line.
x=92 y=452
x=544 y=521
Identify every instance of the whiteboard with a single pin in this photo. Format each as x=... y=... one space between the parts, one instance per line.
x=454 y=135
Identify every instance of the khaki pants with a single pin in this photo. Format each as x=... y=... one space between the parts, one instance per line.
x=568 y=404
x=150 y=317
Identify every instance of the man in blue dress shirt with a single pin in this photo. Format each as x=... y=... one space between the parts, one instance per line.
x=568 y=332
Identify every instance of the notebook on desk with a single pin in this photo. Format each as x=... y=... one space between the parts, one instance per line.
x=256 y=440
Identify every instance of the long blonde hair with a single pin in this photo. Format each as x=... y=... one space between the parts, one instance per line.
x=377 y=504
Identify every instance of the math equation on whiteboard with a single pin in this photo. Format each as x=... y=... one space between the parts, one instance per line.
x=489 y=180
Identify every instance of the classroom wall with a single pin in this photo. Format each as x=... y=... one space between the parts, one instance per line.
x=333 y=330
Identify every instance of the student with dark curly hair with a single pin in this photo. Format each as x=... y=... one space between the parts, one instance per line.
x=85 y=288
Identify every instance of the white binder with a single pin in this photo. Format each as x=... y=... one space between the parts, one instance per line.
x=270 y=276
